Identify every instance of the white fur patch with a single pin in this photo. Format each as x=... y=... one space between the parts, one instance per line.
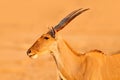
x=60 y=75
x=34 y=56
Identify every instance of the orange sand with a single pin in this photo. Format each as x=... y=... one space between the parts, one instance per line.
x=23 y=21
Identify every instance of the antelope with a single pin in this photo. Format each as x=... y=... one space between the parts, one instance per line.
x=92 y=65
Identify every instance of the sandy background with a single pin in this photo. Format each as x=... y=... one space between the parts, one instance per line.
x=23 y=21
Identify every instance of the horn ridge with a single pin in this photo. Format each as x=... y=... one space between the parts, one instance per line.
x=52 y=32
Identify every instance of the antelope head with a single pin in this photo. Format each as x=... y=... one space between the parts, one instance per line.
x=44 y=43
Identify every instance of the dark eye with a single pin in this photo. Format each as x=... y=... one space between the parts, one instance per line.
x=46 y=38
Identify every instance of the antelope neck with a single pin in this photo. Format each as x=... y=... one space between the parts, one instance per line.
x=66 y=59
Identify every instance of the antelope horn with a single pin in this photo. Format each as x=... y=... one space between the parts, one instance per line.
x=68 y=19
x=53 y=32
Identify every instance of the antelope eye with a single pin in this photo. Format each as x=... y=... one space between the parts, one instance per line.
x=46 y=38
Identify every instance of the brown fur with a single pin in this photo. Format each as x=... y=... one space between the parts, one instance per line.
x=93 y=65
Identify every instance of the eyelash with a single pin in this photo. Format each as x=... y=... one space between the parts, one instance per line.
x=46 y=38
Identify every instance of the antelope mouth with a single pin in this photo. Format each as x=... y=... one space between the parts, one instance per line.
x=33 y=56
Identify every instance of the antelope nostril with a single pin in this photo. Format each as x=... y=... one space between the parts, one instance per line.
x=28 y=52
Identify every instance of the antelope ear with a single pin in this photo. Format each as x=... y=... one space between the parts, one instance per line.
x=52 y=32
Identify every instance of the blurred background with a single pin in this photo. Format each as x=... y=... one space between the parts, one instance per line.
x=24 y=21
